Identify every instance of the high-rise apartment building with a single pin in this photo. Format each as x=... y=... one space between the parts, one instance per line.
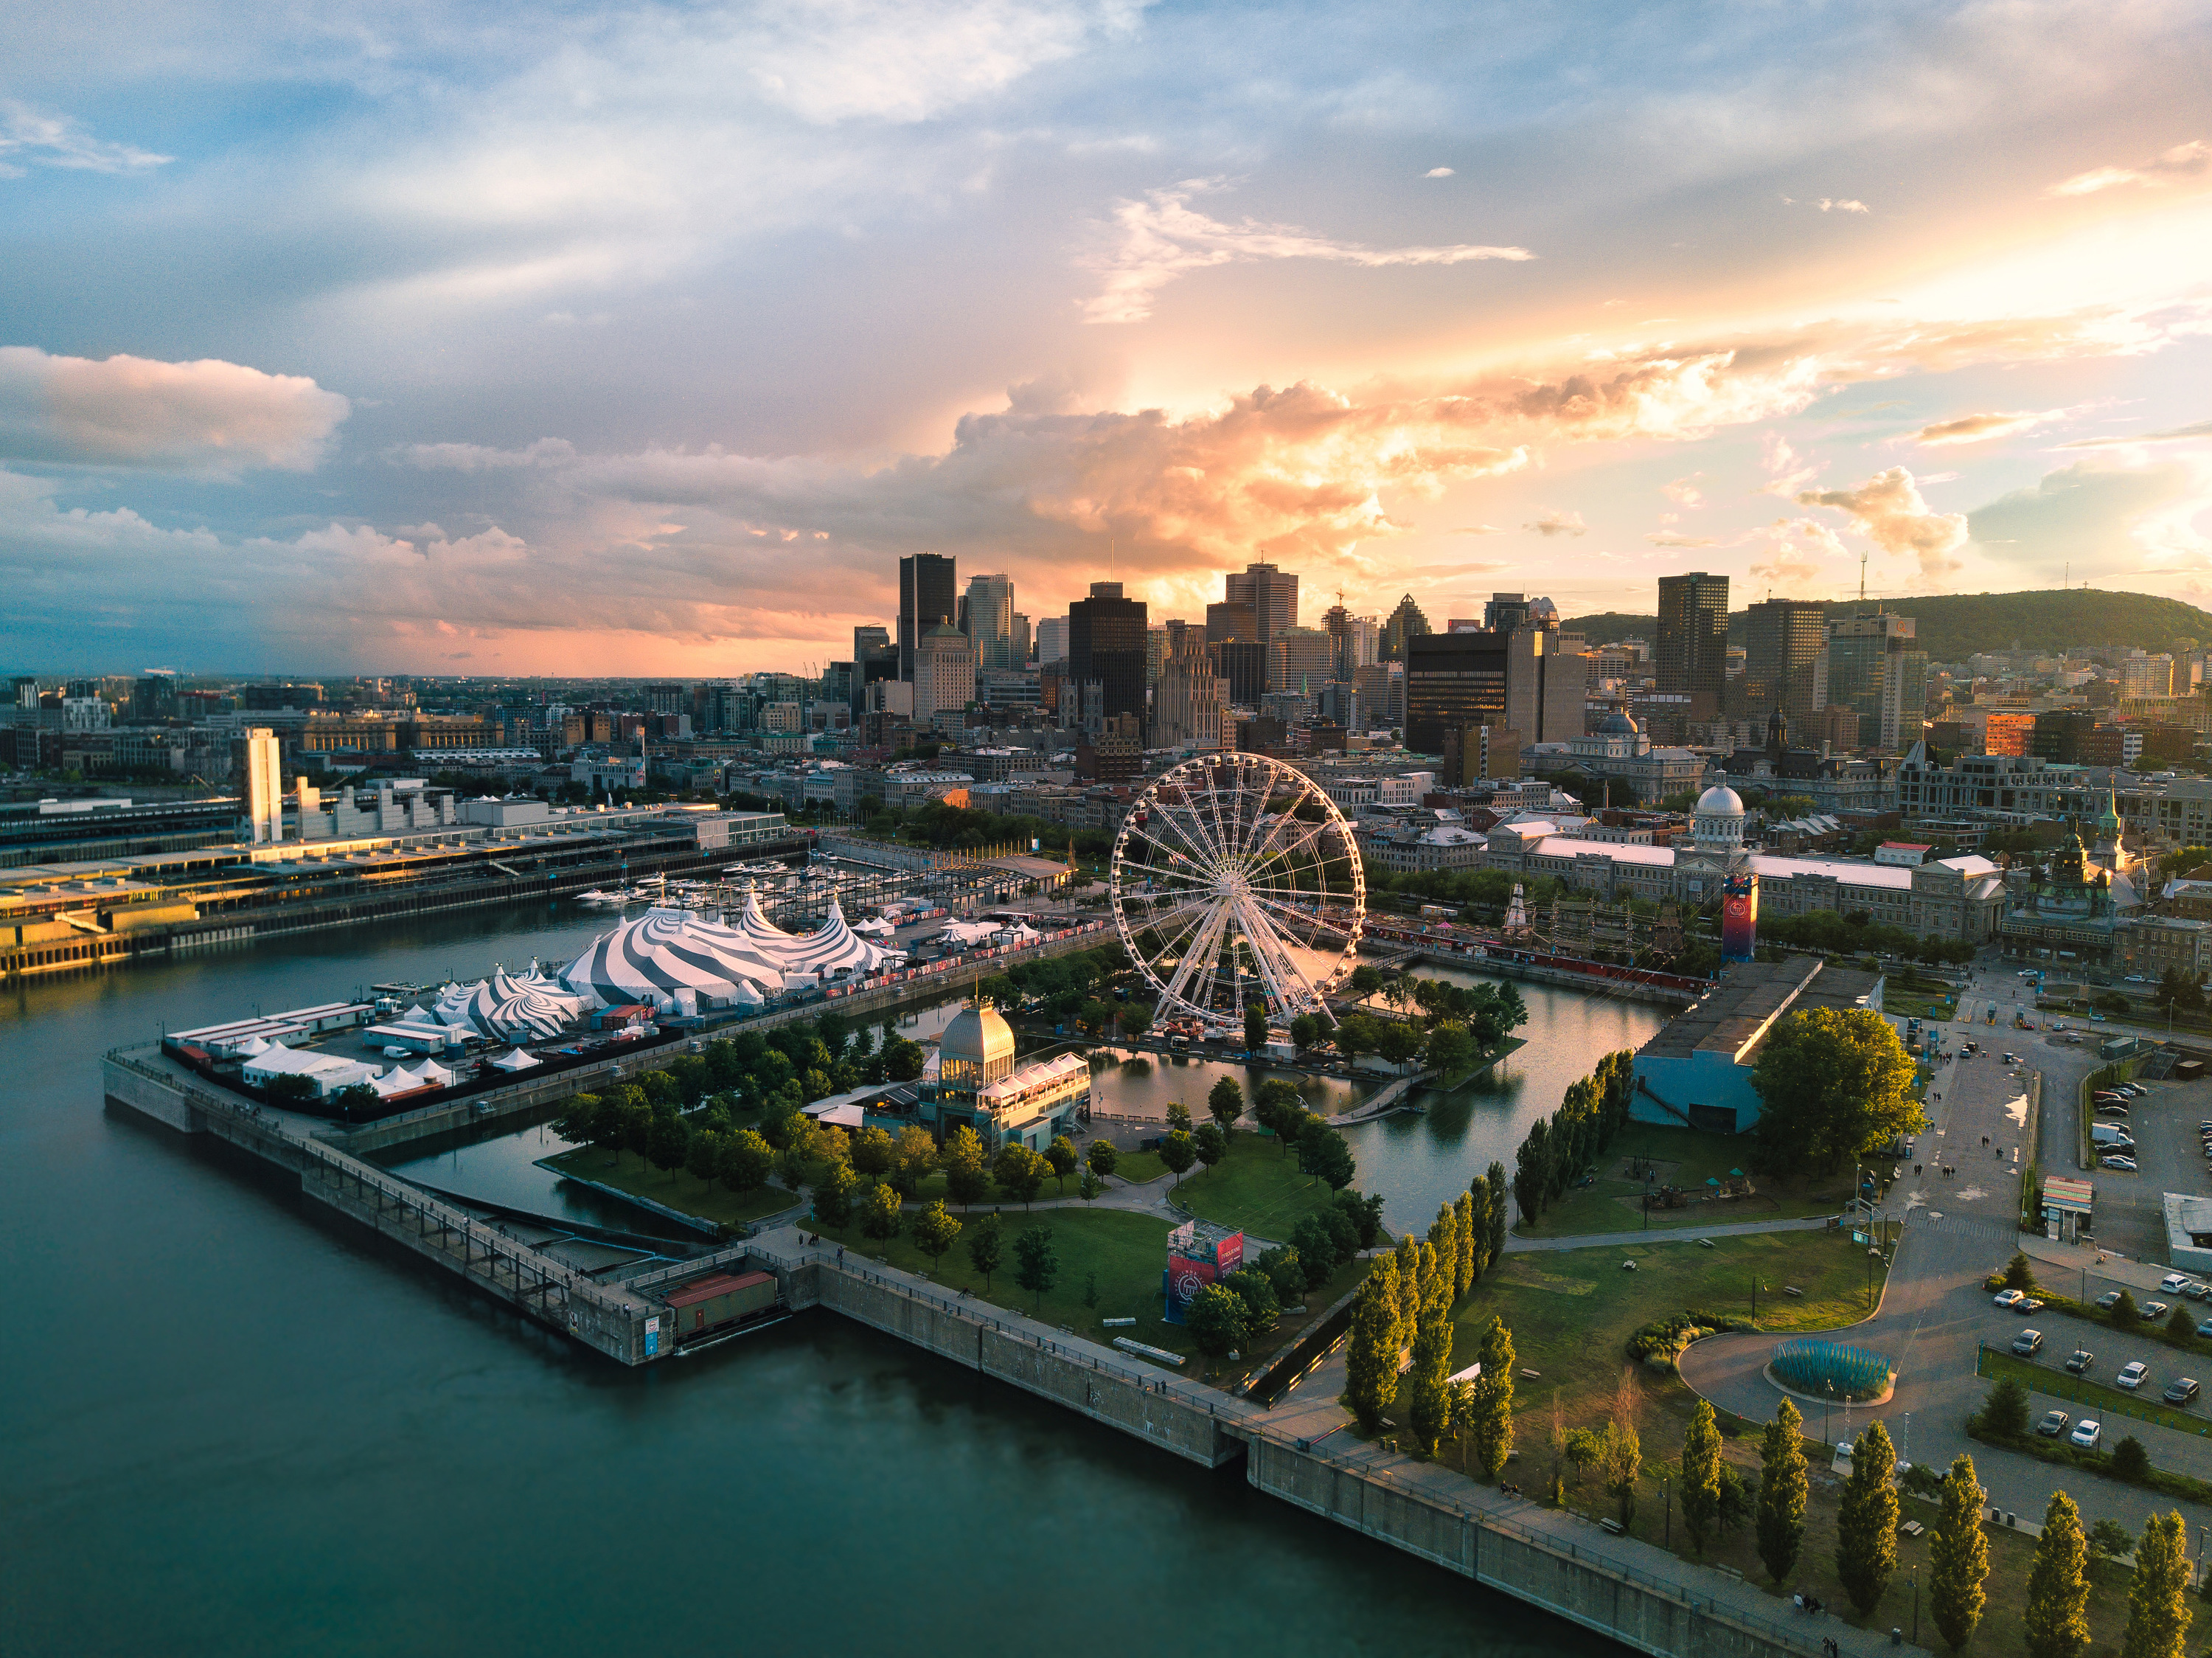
x=1383 y=693
x=1693 y=640
x=1272 y=594
x=927 y=597
x=1106 y=648
x=1454 y=680
x=1406 y=622
x=265 y=785
x=1782 y=648
x=989 y=604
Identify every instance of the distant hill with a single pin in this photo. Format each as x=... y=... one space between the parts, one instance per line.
x=1954 y=627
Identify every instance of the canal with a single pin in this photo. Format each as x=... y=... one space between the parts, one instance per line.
x=236 y=1426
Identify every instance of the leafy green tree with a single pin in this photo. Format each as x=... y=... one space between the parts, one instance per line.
x=1306 y=1029
x=1179 y=1118
x=916 y=1156
x=1089 y=1188
x=1833 y=1083
x=1282 y=1268
x=934 y=1231
x=2158 y=1610
x=1428 y=1412
x=1280 y=1110
x=1866 y=1520
x=1701 y=1475
x=985 y=1243
x=1263 y=1310
x=1211 y=1144
x=833 y=1195
x=1532 y=1172
x=1327 y=1156
x=1467 y=1264
x=1364 y=1215
x=2131 y=1461
x=1450 y=1048
x=1782 y=1490
x=2110 y=1540
x=2020 y=1271
x=1459 y=1414
x=2004 y=1411
x=1036 y=1262
x=1621 y=1449
x=1103 y=1155
x=2123 y=1313
x=1370 y=1355
x=1499 y=1201
x=1493 y=1397
x=702 y=1158
x=1959 y=1555
x=1314 y=1246
x=1224 y=1103
x=1060 y=1154
x=1020 y=1172
x=1218 y=1321
x=879 y=1210
x=1178 y=1152
x=1736 y=1499
x=874 y=1153
x=668 y=1141
x=610 y=1128
x=966 y=1181
x=745 y=1162
x=903 y=1060
x=2055 y=1624
x=2181 y=1322
x=1255 y=1027
x=1443 y=1233
x=579 y=1122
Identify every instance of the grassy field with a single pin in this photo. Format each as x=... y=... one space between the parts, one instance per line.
x=1257 y=1187
x=1110 y=1265
x=1685 y=1158
x=679 y=1190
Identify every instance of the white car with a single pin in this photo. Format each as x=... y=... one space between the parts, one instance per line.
x=2007 y=1298
x=2124 y=1165
x=2131 y=1376
x=2086 y=1433
x=2174 y=1282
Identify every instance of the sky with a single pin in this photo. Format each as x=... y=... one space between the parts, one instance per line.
x=645 y=339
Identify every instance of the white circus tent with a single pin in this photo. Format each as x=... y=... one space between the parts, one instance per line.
x=663 y=954
x=832 y=946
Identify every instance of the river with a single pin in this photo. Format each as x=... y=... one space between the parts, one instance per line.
x=237 y=1426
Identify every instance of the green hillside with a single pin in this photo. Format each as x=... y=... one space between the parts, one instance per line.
x=1952 y=626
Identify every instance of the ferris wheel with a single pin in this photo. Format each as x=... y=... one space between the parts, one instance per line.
x=1235 y=879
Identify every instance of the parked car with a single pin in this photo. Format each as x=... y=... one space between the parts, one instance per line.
x=2132 y=1375
x=2081 y=1359
x=2053 y=1424
x=2156 y=1309
x=2029 y=1305
x=2011 y=1298
x=2086 y=1433
x=2124 y=1164
x=2115 y=1111
x=2205 y=1328
x=2174 y=1282
x=2195 y=1291
x=2180 y=1390
x=2110 y=1299
x=2027 y=1342
x=2134 y=1090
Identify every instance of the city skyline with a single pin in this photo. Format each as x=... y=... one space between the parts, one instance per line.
x=651 y=343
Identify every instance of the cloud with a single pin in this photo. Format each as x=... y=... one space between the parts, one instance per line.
x=1437 y=173
x=2182 y=161
x=29 y=138
x=1980 y=427
x=1667 y=539
x=1162 y=237
x=2099 y=514
x=1830 y=204
x=477 y=458
x=1479 y=530
x=1684 y=491
x=208 y=416
x=1887 y=509
x=2203 y=428
x=1558 y=524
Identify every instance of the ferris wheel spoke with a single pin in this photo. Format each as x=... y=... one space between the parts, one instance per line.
x=1290 y=991
x=1321 y=923
x=1206 y=943
x=1174 y=855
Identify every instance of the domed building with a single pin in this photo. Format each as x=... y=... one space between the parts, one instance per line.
x=1716 y=822
x=976 y=1049
x=975 y=1081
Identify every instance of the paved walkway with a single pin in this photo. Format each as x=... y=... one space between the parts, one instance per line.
x=1647 y=1239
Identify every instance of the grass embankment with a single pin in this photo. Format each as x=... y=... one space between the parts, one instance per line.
x=1257 y=1188
x=1110 y=1263
x=681 y=1190
x=1505 y=1049
x=1685 y=1158
x=2092 y=1399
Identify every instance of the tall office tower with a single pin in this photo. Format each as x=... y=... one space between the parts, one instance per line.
x=1544 y=685
x=868 y=639
x=1343 y=652
x=1298 y=660
x=1052 y=640
x=1383 y=693
x=1188 y=704
x=153 y=698
x=1783 y=638
x=1231 y=622
x=1022 y=640
x=989 y=604
x=265 y=785
x=925 y=598
x=1244 y=663
x=1156 y=651
x=1185 y=638
x=1864 y=671
x=1453 y=680
x=944 y=672
x=1106 y=648
x=1272 y=594
x=1366 y=641
x=1406 y=623
x=1694 y=641
x=1504 y=612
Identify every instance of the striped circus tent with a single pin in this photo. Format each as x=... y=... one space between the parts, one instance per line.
x=505 y=1006
x=663 y=951
x=832 y=946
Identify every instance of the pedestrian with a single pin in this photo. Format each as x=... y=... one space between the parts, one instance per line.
x=1798 y=1599
x=841 y=1254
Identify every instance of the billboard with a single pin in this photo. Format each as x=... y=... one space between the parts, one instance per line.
x=1739 y=915
x=1198 y=1254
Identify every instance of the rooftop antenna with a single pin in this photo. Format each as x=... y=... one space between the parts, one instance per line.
x=1863 y=559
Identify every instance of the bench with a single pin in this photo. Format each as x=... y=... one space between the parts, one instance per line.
x=1791 y=1289
x=1611 y=1525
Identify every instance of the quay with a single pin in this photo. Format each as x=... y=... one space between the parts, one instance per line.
x=1401 y=949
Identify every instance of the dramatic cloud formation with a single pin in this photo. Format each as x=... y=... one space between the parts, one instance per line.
x=1163 y=237
x=1888 y=511
x=124 y=411
x=2182 y=161
x=28 y=138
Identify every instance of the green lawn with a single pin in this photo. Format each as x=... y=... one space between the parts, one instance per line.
x=1257 y=1187
x=1685 y=1158
x=679 y=1190
x=1110 y=1267
x=2094 y=1398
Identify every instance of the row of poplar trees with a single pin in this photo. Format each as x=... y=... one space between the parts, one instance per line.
x=1560 y=1146
x=1406 y=1301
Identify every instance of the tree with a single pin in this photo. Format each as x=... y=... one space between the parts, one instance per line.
x=2125 y=1315
x=1179 y=1117
x=1701 y=1475
x=1281 y=1267
x=934 y=1231
x=1036 y=1263
x=703 y=1157
x=1135 y=1018
x=2020 y=1272
x=1178 y=1152
x=1370 y=1356
x=1866 y=1520
x=1060 y=1154
x=1498 y=1202
x=1450 y=1048
x=2131 y=1461
x=1306 y=1029
x=2055 y=1624
x=1020 y=1172
x=1364 y=1215
x=580 y=1122
x=903 y=1060
x=668 y=1141
x=984 y=1245
x=965 y=1180
x=1398 y=1042
x=1833 y=1083
x=1211 y=1144
x=1325 y=1155
x=1102 y=1156
x=1429 y=1393
x=1735 y=1498
x=1621 y=1448
x=745 y=1162
x=1218 y=1321
x=2004 y=1412
x=1263 y=1309
x=879 y=1210
x=2158 y=1613
x=916 y=1157
x=1280 y=1109
x=1443 y=1233
x=1224 y=1103
x=1959 y=1555
x=1255 y=1027
x=833 y=1195
x=2110 y=1540
x=1469 y=1263
x=1493 y=1400
x=610 y=1128
x=1314 y=1246
x=874 y=1153
x=1782 y=1489
x=2181 y=1321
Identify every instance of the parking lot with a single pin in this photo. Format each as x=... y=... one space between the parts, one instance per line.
x=2130 y=1215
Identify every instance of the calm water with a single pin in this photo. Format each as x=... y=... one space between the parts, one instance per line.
x=233 y=1426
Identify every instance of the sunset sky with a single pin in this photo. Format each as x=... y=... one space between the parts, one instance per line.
x=645 y=339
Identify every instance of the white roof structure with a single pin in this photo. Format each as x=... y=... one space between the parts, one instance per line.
x=327 y=1071
x=663 y=951
x=516 y=1060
